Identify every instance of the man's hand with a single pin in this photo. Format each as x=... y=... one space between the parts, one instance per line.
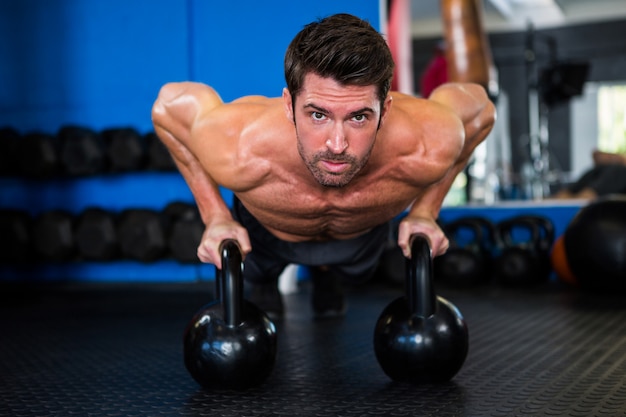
x=415 y=224
x=215 y=233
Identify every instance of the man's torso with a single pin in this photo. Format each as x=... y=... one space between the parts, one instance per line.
x=291 y=205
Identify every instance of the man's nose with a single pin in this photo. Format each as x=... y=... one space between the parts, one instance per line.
x=337 y=143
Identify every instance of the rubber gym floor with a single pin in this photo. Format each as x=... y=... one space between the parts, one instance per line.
x=116 y=350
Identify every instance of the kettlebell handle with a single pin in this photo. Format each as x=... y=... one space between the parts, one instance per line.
x=541 y=230
x=452 y=231
x=420 y=291
x=545 y=225
x=504 y=231
x=229 y=282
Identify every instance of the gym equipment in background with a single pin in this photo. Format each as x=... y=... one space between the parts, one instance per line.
x=96 y=235
x=53 y=236
x=81 y=151
x=524 y=243
x=468 y=260
x=125 y=149
x=591 y=253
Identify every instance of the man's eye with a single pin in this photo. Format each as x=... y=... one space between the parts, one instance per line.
x=359 y=117
x=318 y=116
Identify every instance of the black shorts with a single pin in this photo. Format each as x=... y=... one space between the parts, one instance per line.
x=354 y=260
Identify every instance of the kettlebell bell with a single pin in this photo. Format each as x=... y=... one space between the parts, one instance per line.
x=420 y=337
x=230 y=343
x=524 y=244
x=467 y=262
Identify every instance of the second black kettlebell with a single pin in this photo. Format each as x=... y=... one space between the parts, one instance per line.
x=524 y=244
x=467 y=262
x=421 y=337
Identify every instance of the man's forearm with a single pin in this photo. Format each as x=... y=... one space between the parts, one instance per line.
x=204 y=189
x=206 y=193
x=430 y=202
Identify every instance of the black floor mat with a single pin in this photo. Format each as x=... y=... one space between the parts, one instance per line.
x=116 y=350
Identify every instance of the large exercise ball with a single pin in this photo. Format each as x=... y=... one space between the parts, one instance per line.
x=595 y=245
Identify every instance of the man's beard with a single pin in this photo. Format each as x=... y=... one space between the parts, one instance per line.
x=331 y=179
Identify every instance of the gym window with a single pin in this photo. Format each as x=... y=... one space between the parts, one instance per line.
x=612 y=118
x=598 y=121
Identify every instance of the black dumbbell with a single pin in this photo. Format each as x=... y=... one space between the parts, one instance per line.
x=420 y=338
x=9 y=138
x=467 y=261
x=38 y=156
x=53 y=236
x=185 y=229
x=230 y=321
x=96 y=235
x=524 y=243
x=125 y=149
x=141 y=234
x=15 y=236
x=81 y=151
x=159 y=158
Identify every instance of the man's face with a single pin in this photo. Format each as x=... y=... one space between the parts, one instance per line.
x=336 y=127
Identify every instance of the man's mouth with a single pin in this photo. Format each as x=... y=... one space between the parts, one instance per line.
x=335 y=167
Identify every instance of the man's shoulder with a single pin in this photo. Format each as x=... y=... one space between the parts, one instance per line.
x=417 y=108
x=256 y=100
x=419 y=117
x=407 y=101
x=243 y=113
x=248 y=109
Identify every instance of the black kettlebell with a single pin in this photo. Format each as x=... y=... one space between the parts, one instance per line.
x=467 y=262
x=524 y=260
x=420 y=338
x=230 y=343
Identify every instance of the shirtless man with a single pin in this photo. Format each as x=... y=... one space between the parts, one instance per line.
x=319 y=173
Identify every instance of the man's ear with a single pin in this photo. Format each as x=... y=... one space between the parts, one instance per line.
x=288 y=103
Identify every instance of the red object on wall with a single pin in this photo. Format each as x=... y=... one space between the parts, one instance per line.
x=435 y=74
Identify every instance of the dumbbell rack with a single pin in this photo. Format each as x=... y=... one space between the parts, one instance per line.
x=112 y=192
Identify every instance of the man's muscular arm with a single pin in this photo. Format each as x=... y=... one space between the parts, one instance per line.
x=476 y=113
x=178 y=110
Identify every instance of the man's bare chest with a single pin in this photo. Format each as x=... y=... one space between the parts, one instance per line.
x=298 y=214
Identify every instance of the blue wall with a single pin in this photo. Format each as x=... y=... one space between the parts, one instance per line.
x=100 y=63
